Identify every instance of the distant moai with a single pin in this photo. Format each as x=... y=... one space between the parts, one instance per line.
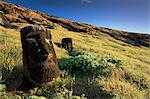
x=67 y=44
x=39 y=58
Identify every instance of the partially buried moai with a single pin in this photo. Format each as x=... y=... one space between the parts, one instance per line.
x=39 y=58
x=67 y=44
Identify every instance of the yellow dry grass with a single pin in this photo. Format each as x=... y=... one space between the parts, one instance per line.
x=136 y=60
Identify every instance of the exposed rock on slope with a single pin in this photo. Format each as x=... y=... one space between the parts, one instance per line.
x=15 y=16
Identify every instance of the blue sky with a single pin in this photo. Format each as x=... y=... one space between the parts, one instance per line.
x=129 y=15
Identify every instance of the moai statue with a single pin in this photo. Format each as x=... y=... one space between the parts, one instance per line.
x=39 y=58
x=67 y=44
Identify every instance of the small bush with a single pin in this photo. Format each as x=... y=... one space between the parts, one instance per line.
x=74 y=53
x=89 y=64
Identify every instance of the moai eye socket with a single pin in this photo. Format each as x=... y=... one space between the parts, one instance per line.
x=32 y=41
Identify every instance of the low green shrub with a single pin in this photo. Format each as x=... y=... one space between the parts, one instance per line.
x=89 y=64
x=74 y=53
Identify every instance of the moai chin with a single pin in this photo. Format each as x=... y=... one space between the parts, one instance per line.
x=39 y=58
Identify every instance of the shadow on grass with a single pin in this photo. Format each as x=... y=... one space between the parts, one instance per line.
x=15 y=80
x=58 y=44
x=12 y=78
x=90 y=89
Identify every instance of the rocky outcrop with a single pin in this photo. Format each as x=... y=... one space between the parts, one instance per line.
x=16 y=14
x=135 y=39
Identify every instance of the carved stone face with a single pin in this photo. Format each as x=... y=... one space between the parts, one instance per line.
x=39 y=58
x=39 y=45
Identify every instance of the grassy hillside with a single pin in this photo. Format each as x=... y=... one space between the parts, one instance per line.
x=126 y=72
x=104 y=64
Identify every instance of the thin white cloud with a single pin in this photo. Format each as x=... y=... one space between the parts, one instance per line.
x=86 y=1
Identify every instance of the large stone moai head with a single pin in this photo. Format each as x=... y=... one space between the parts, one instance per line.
x=67 y=44
x=39 y=58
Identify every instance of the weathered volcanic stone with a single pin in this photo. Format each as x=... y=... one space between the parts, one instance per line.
x=67 y=44
x=39 y=58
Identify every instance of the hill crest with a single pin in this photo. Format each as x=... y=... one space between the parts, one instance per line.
x=18 y=17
